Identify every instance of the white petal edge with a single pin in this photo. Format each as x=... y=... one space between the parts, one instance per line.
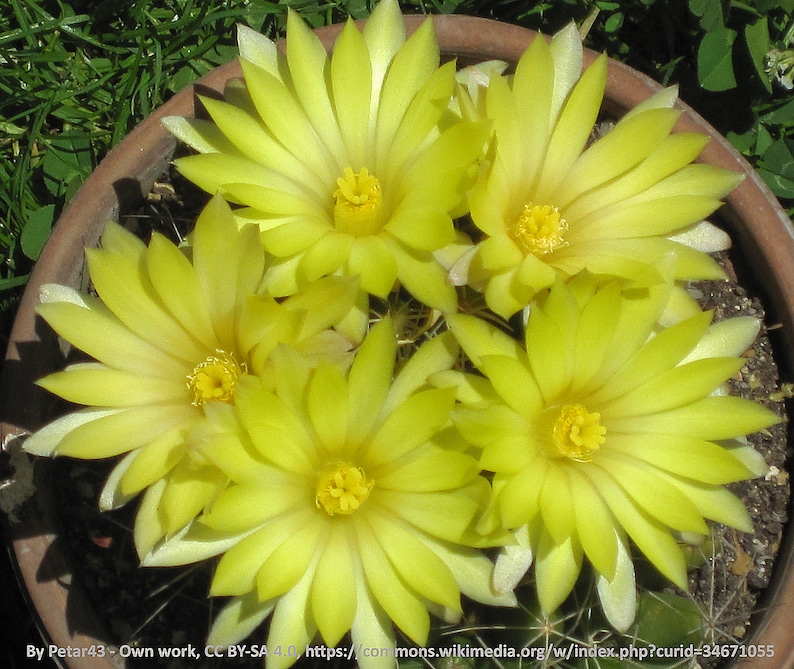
x=258 y=49
x=566 y=51
x=192 y=543
x=111 y=497
x=747 y=455
x=728 y=338
x=704 y=236
x=239 y=618
x=53 y=292
x=46 y=440
x=513 y=562
x=619 y=596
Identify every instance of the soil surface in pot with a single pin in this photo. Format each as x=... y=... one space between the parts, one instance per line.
x=168 y=612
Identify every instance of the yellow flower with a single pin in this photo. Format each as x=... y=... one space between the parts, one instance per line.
x=551 y=206
x=342 y=160
x=601 y=430
x=169 y=337
x=354 y=500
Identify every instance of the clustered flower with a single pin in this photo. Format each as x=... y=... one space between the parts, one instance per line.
x=266 y=418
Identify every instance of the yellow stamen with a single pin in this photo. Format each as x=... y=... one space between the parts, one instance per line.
x=341 y=488
x=215 y=379
x=357 y=203
x=539 y=229
x=577 y=433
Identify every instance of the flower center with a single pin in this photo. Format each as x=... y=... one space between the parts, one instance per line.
x=341 y=488
x=539 y=229
x=215 y=379
x=357 y=203
x=577 y=433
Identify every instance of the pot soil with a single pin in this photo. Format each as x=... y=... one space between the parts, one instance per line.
x=79 y=567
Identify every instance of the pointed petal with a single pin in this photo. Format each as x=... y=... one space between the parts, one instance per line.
x=328 y=404
x=618 y=595
x=410 y=425
x=238 y=619
x=557 y=566
x=391 y=592
x=351 y=85
x=118 y=432
x=96 y=385
x=291 y=625
x=370 y=378
x=333 y=593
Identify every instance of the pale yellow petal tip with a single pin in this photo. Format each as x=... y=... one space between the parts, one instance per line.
x=705 y=237
x=257 y=48
x=731 y=337
x=53 y=293
x=511 y=566
x=664 y=99
x=618 y=595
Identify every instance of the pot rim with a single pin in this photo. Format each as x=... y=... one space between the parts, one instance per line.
x=127 y=172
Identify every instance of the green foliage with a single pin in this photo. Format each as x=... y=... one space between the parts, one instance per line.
x=668 y=621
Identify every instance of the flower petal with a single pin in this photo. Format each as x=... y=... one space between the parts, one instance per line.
x=370 y=378
x=328 y=404
x=283 y=570
x=351 y=87
x=291 y=625
x=595 y=526
x=154 y=460
x=238 y=619
x=410 y=425
x=237 y=569
x=189 y=490
x=652 y=493
x=557 y=566
x=432 y=469
x=712 y=418
x=333 y=593
x=434 y=356
x=421 y=569
x=372 y=261
x=308 y=67
x=242 y=507
x=423 y=277
x=618 y=595
x=572 y=129
x=398 y=600
x=115 y=433
x=515 y=384
x=650 y=536
x=689 y=457
x=677 y=387
x=278 y=434
x=371 y=626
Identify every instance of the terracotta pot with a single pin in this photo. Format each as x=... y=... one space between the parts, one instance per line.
x=760 y=228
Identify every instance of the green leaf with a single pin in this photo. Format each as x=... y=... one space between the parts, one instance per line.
x=36 y=231
x=68 y=158
x=756 y=35
x=743 y=141
x=715 y=60
x=778 y=168
x=13 y=282
x=781 y=115
x=765 y=6
x=780 y=185
x=764 y=140
x=779 y=158
x=614 y=22
x=668 y=620
x=710 y=12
